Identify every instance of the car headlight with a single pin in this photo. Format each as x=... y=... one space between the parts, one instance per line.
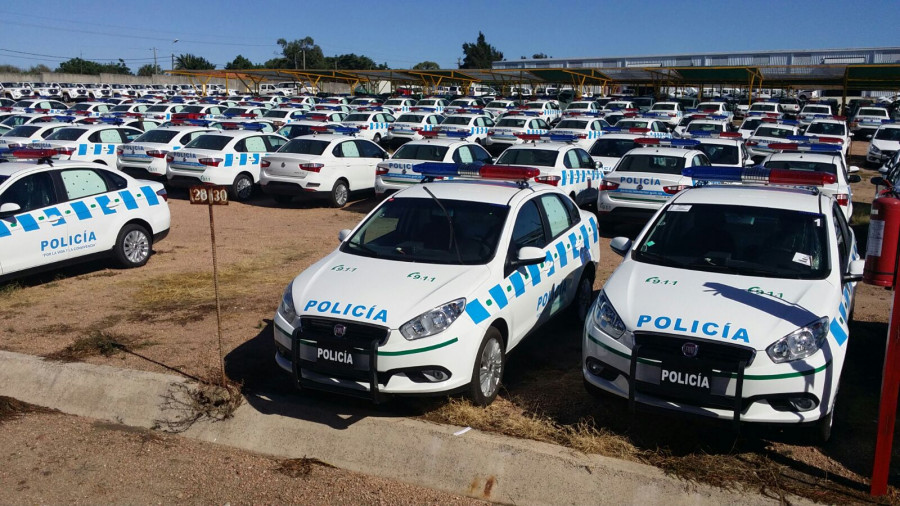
x=286 y=308
x=605 y=316
x=800 y=343
x=873 y=149
x=433 y=321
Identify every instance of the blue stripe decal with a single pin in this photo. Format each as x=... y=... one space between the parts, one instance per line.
x=549 y=259
x=573 y=241
x=839 y=335
x=535 y=274
x=128 y=199
x=98 y=148
x=842 y=310
x=51 y=212
x=103 y=201
x=82 y=149
x=150 y=195
x=498 y=295
x=28 y=222
x=563 y=258
x=81 y=210
x=3 y=230
x=229 y=160
x=518 y=283
x=593 y=223
x=476 y=311
x=243 y=159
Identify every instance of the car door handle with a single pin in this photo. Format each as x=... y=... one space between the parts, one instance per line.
x=113 y=204
x=54 y=218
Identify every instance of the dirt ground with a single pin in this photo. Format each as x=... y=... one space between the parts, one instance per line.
x=161 y=318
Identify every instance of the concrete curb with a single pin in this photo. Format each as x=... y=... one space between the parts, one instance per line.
x=476 y=464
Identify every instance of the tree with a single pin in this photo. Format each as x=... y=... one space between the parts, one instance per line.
x=10 y=69
x=192 y=62
x=479 y=55
x=79 y=66
x=39 y=69
x=149 y=70
x=240 y=63
x=294 y=53
x=539 y=56
x=352 y=62
x=115 y=68
x=426 y=65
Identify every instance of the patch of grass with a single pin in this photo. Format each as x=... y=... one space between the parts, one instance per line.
x=56 y=328
x=10 y=409
x=96 y=343
x=299 y=468
x=7 y=290
x=861 y=213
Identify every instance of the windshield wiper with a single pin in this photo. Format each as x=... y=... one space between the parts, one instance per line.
x=363 y=247
x=449 y=221
x=659 y=259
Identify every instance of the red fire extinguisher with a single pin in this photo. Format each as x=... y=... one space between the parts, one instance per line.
x=881 y=247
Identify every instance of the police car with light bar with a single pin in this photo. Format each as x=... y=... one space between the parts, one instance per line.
x=656 y=128
x=431 y=105
x=146 y=155
x=867 y=120
x=432 y=290
x=885 y=142
x=671 y=112
x=579 y=130
x=733 y=303
x=471 y=127
x=716 y=108
x=40 y=106
x=397 y=173
x=372 y=125
x=561 y=164
x=707 y=125
x=832 y=129
x=579 y=108
x=398 y=106
x=229 y=158
x=724 y=149
x=769 y=132
x=767 y=108
x=23 y=135
x=497 y=108
x=329 y=166
x=410 y=125
x=91 y=143
x=514 y=129
x=52 y=214
x=645 y=179
x=548 y=110
x=811 y=112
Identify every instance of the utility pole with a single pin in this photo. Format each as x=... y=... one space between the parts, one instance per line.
x=155 y=65
x=304 y=59
x=173 y=60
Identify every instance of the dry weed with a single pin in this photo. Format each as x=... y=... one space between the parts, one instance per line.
x=10 y=409
x=189 y=403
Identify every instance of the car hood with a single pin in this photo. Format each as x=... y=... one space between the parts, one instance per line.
x=754 y=311
x=383 y=292
x=884 y=144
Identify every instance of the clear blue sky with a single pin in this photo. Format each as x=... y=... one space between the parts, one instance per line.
x=402 y=33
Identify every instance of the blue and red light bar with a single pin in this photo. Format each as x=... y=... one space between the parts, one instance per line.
x=456 y=134
x=718 y=174
x=813 y=138
x=715 y=135
x=476 y=170
x=813 y=147
x=675 y=143
x=344 y=130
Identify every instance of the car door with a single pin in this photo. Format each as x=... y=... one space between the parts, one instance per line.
x=528 y=230
x=99 y=210
x=35 y=233
x=563 y=251
x=254 y=147
x=347 y=161
x=363 y=168
x=102 y=145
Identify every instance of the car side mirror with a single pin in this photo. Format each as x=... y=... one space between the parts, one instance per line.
x=853 y=178
x=853 y=169
x=9 y=208
x=883 y=169
x=343 y=235
x=854 y=271
x=620 y=245
x=529 y=255
x=749 y=162
x=878 y=181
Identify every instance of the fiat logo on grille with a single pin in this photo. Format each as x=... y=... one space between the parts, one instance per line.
x=690 y=349
x=340 y=330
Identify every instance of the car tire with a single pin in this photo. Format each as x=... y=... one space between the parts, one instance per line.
x=487 y=371
x=283 y=199
x=340 y=193
x=242 y=188
x=133 y=246
x=377 y=138
x=584 y=295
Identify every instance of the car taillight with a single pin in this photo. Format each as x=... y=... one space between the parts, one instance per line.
x=381 y=171
x=415 y=129
x=752 y=143
x=608 y=185
x=842 y=199
x=157 y=153
x=119 y=151
x=582 y=136
x=311 y=167
x=363 y=127
x=490 y=132
x=551 y=180
x=65 y=151
x=390 y=129
x=265 y=164
x=162 y=193
x=210 y=162
x=672 y=190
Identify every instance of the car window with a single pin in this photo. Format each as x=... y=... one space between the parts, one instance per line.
x=110 y=135
x=463 y=155
x=80 y=183
x=255 y=144
x=842 y=234
x=480 y=154
x=529 y=229
x=368 y=149
x=30 y=192
x=558 y=217
x=586 y=161
x=274 y=142
x=571 y=160
x=349 y=149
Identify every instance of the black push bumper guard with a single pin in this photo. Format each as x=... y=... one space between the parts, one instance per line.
x=720 y=357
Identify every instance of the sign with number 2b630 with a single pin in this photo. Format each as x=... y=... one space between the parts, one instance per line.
x=208 y=194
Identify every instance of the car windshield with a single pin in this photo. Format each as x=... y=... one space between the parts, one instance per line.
x=762 y=108
x=685 y=121
x=394 y=102
x=538 y=105
x=427 y=152
x=740 y=240
x=708 y=107
x=275 y=114
x=305 y=146
x=802 y=165
x=612 y=147
x=498 y=104
x=827 y=128
x=234 y=111
x=410 y=118
x=426 y=102
x=720 y=154
x=705 y=127
x=872 y=111
x=291 y=131
x=66 y=134
x=579 y=105
x=572 y=123
x=457 y=120
x=663 y=107
x=158 y=136
x=888 y=134
x=816 y=109
x=751 y=124
x=81 y=107
x=22 y=131
x=418 y=230
x=209 y=141
x=528 y=157
x=651 y=163
x=459 y=103
x=770 y=131
x=158 y=108
x=191 y=109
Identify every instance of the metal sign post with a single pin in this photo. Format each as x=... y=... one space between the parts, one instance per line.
x=210 y=196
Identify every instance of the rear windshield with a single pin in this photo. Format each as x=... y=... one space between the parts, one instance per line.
x=529 y=157
x=651 y=163
x=209 y=141
x=534 y=106
x=498 y=104
x=358 y=117
x=696 y=126
x=572 y=123
x=579 y=105
x=291 y=131
x=66 y=134
x=816 y=109
x=394 y=102
x=631 y=123
x=427 y=152
x=460 y=103
x=612 y=147
x=801 y=165
x=457 y=120
x=872 y=111
x=762 y=107
x=708 y=107
x=663 y=107
x=24 y=131
x=511 y=122
x=426 y=102
x=771 y=131
x=305 y=146
x=158 y=108
x=410 y=118
x=720 y=154
x=192 y=109
x=827 y=128
x=81 y=107
x=751 y=123
x=275 y=114
x=158 y=136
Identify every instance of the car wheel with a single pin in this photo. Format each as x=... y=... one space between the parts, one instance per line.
x=377 y=138
x=242 y=188
x=339 y=193
x=283 y=199
x=488 y=370
x=133 y=246
x=584 y=295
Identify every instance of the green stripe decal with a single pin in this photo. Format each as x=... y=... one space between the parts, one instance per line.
x=417 y=350
x=757 y=377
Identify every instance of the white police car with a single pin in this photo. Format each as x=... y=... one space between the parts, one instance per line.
x=725 y=149
x=671 y=112
x=199 y=111
x=40 y=105
x=431 y=105
x=146 y=155
x=410 y=125
x=23 y=135
x=329 y=166
x=497 y=108
x=885 y=142
x=748 y=126
x=608 y=149
x=832 y=129
x=581 y=130
x=372 y=125
x=461 y=104
x=429 y=293
x=398 y=106
x=770 y=132
x=867 y=120
x=707 y=125
x=230 y=158
x=645 y=179
x=163 y=111
x=767 y=108
x=733 y=303
x=655 y=127
x=561 y=164
x=472 y=127
x=92 y=143
x=716 y=108
x=363 y=102
x=547 y=110
x=811 y=112
x=516 y=129
x=581 y=107
x=397 y=173
x=66 y=212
